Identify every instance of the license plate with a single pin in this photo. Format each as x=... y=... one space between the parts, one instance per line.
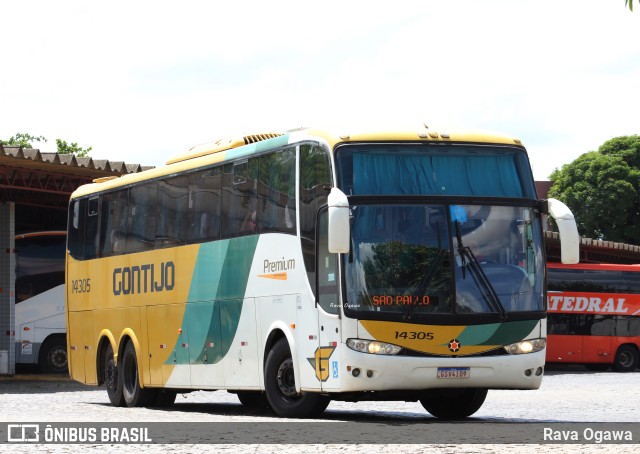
x=454 y=372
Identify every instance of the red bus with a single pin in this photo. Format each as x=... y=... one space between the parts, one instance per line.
x=594 y=315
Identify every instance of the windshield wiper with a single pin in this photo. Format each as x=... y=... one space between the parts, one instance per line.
x=466 y=254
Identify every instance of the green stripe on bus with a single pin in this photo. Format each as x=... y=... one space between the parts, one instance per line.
x=217 y=292
x=497 y=333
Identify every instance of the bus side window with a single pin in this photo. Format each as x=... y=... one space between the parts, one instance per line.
x=141 y=234
x=113 y=222
x=75 y=232
x=91 y=224
x=276 y=192
x=204 y=205
x=315 y=178
x=172 y=212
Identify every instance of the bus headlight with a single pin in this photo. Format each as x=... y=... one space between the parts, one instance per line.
x=374 y=347
x=526 y=346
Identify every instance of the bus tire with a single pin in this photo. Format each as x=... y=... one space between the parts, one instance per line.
x=626 y=359
x=52 y=358
x=134 y=394
x=112 y=379
x=280 y=389
x=454 y=403
x=253 y=399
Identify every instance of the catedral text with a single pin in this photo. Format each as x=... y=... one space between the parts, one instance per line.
x=146 y=278
x=563 y=303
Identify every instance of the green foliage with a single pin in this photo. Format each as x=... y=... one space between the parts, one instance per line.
x=629 y=3
x=72 y=148
x=23 y=140
x=601 y=188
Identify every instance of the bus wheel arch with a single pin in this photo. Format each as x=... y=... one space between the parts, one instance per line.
x=626 y=359
x=52 y=357
x=453 y=403
x=280 y=386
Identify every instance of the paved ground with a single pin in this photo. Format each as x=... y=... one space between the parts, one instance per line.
x=566 y=396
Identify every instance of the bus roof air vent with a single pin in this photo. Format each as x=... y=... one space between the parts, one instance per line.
x=220 y=145
x=260 y=137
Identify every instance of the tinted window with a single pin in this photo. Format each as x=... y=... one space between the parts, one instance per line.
x=204 y=205
x=141 y=235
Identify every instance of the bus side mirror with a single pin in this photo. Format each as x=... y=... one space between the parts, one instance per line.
x=338 y=228
x=569 y=237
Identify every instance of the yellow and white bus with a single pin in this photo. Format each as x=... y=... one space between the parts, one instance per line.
x=301 y=267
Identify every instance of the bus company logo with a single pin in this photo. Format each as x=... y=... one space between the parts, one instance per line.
x=144 y=278
x=454 y=345
x=23 y=433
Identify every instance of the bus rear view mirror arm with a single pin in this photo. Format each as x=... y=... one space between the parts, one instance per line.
x=338 y=222
x=569 y=237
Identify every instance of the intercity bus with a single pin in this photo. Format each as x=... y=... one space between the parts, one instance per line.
x=40 y=321
x=594 y=315
x=297 y=268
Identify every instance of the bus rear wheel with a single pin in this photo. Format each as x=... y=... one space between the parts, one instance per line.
x=280 y=387
x=134 y=395
x=626 y=359
x=52 y=358
x=454 y=403
x=112 y=379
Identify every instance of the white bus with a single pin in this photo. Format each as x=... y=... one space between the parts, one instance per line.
x=40 y=298
x=297 y=268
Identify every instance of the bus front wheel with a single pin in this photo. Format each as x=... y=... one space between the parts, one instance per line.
x=626 y=359
x=112 y=379
x=134 y=395
x=280 y=387
x=453 y=403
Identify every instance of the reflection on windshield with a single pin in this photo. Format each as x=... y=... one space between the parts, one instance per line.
x=409 y=260
x=400 y=260
x=501 y=241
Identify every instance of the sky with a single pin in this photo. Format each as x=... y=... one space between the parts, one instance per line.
x=141 y=80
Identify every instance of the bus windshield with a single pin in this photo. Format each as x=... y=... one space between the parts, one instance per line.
x=411 y=257
x=414 y=259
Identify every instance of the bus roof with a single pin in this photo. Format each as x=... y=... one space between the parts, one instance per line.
x=228 y=149
x=595 y=266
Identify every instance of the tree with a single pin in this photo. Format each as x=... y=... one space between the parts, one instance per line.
x=72 y=148
x=601 y=188
x=26 y=141
x=22 y=140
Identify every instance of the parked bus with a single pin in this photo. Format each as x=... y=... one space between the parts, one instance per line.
x=594 y=315
x=297 y=268
x=40 y=297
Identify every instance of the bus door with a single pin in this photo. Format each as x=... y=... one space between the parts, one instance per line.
x=596 y=343
x=328 y=307
x=565 y=342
